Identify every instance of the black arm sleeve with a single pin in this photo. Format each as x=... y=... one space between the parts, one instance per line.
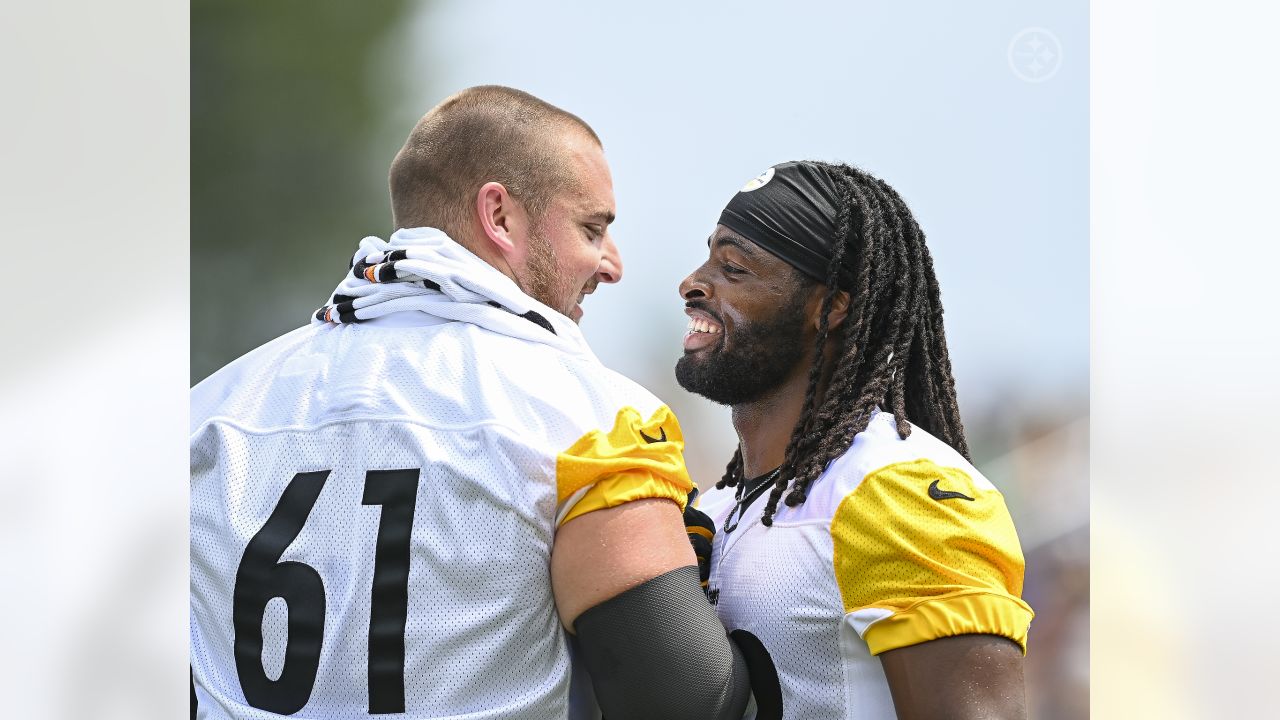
x=658 y=651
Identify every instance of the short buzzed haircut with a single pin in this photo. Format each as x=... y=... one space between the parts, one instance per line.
x=482 y=134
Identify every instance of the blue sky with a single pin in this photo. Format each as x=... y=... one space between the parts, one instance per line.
x=691 y=100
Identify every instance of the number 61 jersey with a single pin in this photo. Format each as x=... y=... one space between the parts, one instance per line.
x=373 y=508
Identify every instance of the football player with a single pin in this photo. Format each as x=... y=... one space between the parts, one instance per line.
x=861 y=561
x=401 y=507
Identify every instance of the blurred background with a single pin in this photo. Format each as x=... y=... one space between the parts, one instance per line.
x=977 y=114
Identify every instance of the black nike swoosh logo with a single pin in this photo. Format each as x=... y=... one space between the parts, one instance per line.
x=938 y=494
x=655 y=440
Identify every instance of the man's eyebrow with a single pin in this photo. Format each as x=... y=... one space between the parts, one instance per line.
x=745 y=247
x=604 y=216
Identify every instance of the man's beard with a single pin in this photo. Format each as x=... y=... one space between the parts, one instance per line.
x=544 y=277
x=762 y=354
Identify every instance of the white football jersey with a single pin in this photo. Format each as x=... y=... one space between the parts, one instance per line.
x=899 y=542
x=373 y=503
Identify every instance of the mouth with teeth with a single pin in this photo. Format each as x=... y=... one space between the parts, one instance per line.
x=703 y=332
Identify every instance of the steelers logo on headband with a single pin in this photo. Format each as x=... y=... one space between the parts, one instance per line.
x=758 y=181
x=790 y=211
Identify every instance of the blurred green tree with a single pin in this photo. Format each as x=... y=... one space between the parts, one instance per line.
x=283 y=117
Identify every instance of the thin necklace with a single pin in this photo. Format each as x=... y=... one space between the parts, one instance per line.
x=745 y=498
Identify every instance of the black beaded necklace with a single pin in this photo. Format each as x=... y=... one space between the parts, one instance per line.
x=748 y=492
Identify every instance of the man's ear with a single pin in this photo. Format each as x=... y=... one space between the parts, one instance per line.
x=839 y=308
x=503 y=220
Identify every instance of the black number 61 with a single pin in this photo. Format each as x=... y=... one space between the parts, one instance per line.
x=261 y=577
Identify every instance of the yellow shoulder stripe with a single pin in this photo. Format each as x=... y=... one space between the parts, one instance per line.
x=639 y=458
x=963 y=613
x=928 y=544
x=623 y=488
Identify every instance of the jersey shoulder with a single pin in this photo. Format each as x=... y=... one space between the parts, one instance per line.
x=221 y=392
x=630 y=446
x=450 y=374
x=878 y=449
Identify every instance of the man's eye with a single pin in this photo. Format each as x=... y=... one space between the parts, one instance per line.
x=732 y=269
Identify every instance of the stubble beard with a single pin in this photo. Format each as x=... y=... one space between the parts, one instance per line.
x=545 y=280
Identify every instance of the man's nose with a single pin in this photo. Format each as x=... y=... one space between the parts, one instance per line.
x=694 y=287
x=610 y=270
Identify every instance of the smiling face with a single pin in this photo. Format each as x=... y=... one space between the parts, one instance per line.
x=570 y=251
x=748 y=322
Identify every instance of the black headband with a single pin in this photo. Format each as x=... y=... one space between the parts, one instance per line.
x=790 y=210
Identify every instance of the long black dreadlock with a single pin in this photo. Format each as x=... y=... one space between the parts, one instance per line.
x=892 y=350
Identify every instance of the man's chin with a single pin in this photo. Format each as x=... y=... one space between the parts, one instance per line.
x=692 y=375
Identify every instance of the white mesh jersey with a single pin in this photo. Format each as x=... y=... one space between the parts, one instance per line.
x=899 y=542
x=373 y=505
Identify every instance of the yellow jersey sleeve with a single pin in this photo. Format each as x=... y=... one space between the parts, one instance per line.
x=924 y=552
x=634 y=460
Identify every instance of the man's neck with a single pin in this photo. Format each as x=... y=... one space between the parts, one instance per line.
x=765 y=425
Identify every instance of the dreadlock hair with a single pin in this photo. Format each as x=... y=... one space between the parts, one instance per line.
x=892 y=352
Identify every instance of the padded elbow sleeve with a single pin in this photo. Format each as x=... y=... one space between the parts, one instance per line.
x=659 y=651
